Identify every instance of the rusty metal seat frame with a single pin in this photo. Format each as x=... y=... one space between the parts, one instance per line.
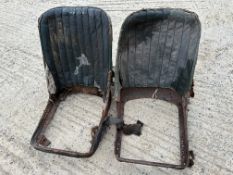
x=39 y=140
x=171 y=96
x=157 y=53
x=77 y=46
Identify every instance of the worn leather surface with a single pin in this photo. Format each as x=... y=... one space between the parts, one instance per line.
x=158 y=48
x=77 y=46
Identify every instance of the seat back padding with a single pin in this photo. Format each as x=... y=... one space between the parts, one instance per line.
x=76 y=46
x=158 y=48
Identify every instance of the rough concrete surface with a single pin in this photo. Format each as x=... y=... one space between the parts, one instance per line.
x=23 y=96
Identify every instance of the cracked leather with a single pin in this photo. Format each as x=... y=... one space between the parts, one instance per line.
x=77 y=46
x=158 y=48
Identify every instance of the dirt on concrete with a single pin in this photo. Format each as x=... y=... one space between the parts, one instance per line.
x=23 y=97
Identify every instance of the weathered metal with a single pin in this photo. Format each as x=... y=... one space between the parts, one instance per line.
x=165 y=94
x=40 y=142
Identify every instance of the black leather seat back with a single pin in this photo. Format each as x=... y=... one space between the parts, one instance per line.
x=76 y=45
x=158 y=48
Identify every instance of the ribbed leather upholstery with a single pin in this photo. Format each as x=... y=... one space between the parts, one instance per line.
x=158 y=48
x=76 y=46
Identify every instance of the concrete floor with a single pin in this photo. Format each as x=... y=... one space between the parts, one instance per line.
x=24 y=95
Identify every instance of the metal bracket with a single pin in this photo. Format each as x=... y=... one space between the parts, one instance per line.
x=130 y=129
x=127 y=129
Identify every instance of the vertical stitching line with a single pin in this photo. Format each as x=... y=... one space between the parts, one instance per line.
x=96 y=63
x=102 y=39
x=164 y=47
x=83 y=45
x=72 y=57
x=59 y=51
x=77 y=40
x=158 y=47
x=174 y=75
x=135 y=55
x=69 y=73
x=127 y=76
x=174 y=33
x=50 y=38
x=91 y=49
x=150 y=55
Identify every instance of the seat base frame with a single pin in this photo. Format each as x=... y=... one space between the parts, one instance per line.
x=169 y=95
x=40 y=142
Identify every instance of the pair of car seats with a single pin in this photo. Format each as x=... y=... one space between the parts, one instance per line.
x=157 y=53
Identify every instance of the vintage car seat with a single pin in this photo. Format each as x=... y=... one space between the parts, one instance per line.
x=77 y=52
x=157 y=54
